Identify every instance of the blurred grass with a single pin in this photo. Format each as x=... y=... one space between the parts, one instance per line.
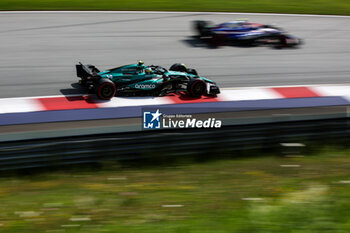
x=253 y=194
x=333 y=7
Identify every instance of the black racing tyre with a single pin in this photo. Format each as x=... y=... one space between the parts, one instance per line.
x=218 y=40
x=196 y=88
x=178 y=67
x=192 y=71
x=105 y=89
x=283 y=40
x=248 y=42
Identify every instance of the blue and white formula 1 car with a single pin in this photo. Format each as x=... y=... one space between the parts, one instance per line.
x=241 y=32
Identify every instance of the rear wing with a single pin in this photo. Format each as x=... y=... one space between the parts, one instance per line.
x=84 y=71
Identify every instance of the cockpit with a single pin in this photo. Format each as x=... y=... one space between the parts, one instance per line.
x=235 y=24
x=157 y=69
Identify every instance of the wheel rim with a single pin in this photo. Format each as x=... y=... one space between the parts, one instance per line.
x=198 y=89
x=107 y=91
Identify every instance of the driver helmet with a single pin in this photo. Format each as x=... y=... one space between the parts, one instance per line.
x=148 y=70
x=140 y=63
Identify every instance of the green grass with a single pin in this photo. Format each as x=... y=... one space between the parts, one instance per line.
x=188 y=197
x=340 y=7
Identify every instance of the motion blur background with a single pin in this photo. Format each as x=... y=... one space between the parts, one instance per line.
x=239 y=185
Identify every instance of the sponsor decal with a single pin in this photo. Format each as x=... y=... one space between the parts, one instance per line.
x=145 y=86
x=158 y=120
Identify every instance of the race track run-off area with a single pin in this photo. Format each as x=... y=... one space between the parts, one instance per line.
x=88 y=107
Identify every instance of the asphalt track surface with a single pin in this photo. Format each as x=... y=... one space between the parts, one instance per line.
x=39 y=50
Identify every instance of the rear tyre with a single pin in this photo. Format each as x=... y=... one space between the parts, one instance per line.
x=218 y=40
x=196 y=88
x=248 y=43
x=105 y=89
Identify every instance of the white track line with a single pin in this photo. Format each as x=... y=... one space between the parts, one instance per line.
x=301 y=85
x=175 y=12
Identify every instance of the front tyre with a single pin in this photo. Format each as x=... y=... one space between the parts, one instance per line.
x=192 y=71
x=178 y=67
x=196 y=88
x=105 y=89
x=182 y=68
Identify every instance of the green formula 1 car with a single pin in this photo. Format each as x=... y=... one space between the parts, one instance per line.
x=139 y=79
